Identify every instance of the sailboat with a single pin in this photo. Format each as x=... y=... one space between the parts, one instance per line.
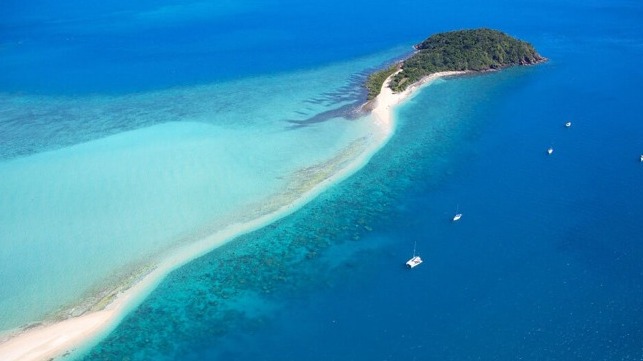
x=458 y=215
x=415 y=260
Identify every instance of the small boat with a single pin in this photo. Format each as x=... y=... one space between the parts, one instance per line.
x=641 y=157
x=550 y=150
x=458 y=215
x=415 y=260
x=568 y=124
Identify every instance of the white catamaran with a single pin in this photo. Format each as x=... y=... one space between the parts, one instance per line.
x=415 y=260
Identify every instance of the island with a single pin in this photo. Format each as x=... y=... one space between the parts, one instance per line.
x=473 y=50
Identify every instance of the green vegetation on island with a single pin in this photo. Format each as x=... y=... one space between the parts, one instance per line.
x=376 y=80
x=463 y=50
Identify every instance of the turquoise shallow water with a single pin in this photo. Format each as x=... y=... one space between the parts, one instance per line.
x=96 y=187
x=545 y=263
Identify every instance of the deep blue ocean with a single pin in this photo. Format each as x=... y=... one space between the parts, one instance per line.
x=547 y=260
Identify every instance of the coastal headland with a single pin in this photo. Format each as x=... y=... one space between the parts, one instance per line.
x=395 y=85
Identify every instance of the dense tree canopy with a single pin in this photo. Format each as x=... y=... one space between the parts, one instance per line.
x=474 y=50
x=463 y=50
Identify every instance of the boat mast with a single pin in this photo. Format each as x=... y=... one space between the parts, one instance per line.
x=414 y=245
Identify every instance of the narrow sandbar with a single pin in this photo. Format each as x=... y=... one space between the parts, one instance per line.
x=51 y=340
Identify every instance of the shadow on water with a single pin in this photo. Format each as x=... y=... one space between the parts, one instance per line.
x=349 y=112
x=353 y=92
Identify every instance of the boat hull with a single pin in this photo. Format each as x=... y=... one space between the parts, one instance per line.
x=414 y=262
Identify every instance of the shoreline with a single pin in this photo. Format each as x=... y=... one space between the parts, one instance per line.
x=386 y=100
x=76 y=334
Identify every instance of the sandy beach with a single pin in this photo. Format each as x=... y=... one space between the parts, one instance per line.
x=387 y=100
x=51 y=340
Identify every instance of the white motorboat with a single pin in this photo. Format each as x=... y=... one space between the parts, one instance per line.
x=568 y=124
x=550 y=150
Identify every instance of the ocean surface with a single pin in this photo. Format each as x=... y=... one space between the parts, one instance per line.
x=127 y=130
